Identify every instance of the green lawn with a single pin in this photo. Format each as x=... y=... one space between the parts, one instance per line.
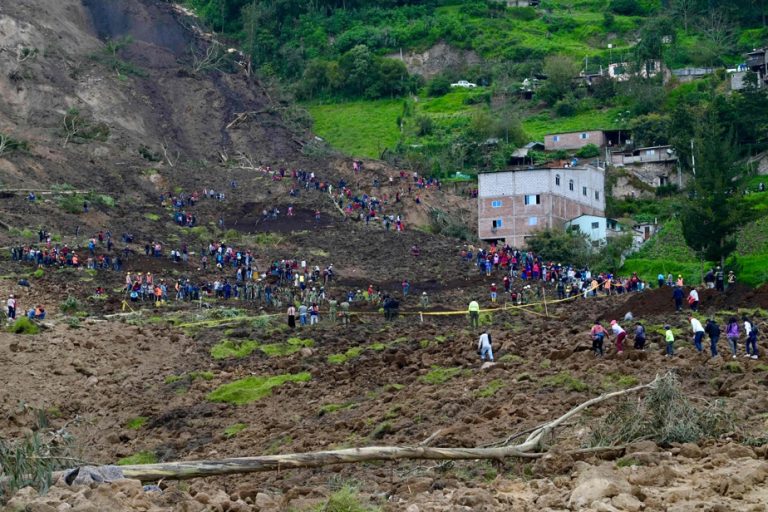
x=358 y=128
x=538 y=126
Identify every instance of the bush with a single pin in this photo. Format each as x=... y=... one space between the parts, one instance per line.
x=24 y=325
x=424 y=125
x=627 y=7
x=438 y=86
x=70 y=305
x=588 y=151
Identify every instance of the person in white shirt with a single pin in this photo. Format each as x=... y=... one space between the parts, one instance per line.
x=11 y=308
x=693 y=299
x=751 y=331
x=620 y=335
x=698 y=333
x=484 y=346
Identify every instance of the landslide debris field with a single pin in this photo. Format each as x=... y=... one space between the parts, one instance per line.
x=183 y=382
x=215 y=379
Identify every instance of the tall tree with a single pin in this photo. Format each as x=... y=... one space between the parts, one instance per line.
x=713 y=211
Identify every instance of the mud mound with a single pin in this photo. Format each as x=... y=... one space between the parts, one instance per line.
x=659 y=301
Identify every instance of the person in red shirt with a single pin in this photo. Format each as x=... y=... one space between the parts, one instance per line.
x=493 y=292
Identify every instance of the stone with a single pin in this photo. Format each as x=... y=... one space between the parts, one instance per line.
x=627 y=502
x=413 y=508
x=691 y=451
x=476 y=499
x=264 y=501
x=597 y=483
x=641 y=446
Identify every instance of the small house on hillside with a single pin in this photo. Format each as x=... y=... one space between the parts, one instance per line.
x=522 y=156
x=756 y=62
x=514 y=204
x=653 y=165
x=596 y=227
x=574 y=140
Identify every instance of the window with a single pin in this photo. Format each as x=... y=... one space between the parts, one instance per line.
x=584 y=190
x=496 y=204
x=496 y=224
x=532 y=221
x=533 y=199
x=557 y=180
x=556 y=138
x=595 y=225
x=570 y=185
x=597 y=195
x=583 y=136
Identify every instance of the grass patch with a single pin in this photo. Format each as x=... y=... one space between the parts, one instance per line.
x=524 y=377
x=626 y=462
x=440 y=375
x=539 y=125
x=154 y=217
x=566 y=381
x=618 y=381
x=331 y=408
x=250 y=389
x=24 y=325
x=136 y=423
x=39 y=273
x=138 y=458
x=734 y=367
x=761 y=368
x=235 y=429
x=490 y=389
x=511 y=358
x=291 y=346
x=233 y=349
x=346 y=356
x=359 y=128
x=381 y=430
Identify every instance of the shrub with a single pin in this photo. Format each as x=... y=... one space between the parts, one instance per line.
x=136 y=423
x=627 y=7
x=24 y=325
x=588 y=151
x=236 y=349
x=565 y=108
x=70 y=305
x=439 y=86
x=344 y=500
x=490 y=389
x=39 y=273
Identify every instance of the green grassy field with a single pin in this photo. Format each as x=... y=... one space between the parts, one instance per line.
x=358 y=128
x=539 y=125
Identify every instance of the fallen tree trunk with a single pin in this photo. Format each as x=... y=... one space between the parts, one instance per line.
x=194 y=469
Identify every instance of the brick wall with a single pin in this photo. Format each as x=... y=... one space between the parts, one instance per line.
x=573 y=140
x=557 y=203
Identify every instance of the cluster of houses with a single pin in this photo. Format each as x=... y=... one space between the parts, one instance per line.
x=515 y=203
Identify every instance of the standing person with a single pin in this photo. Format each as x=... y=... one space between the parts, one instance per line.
x=669 y=337
x=713 y=330
x=732 y=333
x=292 y=316
x=314 y=314
x=11 y=303
x=484 y=346
x=345 y=313
x=620 y=335
x=719 y=280
x=598 y=334
x=677 y=295
x=698 y=333
x=303 y=315
x=424 y=300
x=406 y=287
x=474 y=314
x=731 y=278
x=660 y=278
x=639 y=336
x=493 y=292
x=750 y=330
x=693 y=299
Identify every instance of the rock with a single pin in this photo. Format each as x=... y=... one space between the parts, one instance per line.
x=412 y=508
x=306 y=352
x=476 y=499
x=416 y=485
x=597 y=483
x=264 y=501
x=738 y=451
x=641 y=446
x=691 y=451
x=487 y=365
x=627 y=502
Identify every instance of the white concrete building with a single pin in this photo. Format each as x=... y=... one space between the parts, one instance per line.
x=596 y=227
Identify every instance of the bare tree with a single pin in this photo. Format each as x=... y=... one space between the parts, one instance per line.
x=164 y=147
x=685 y=10
x=719 y=30
x=213 y=58
x=73 y=125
